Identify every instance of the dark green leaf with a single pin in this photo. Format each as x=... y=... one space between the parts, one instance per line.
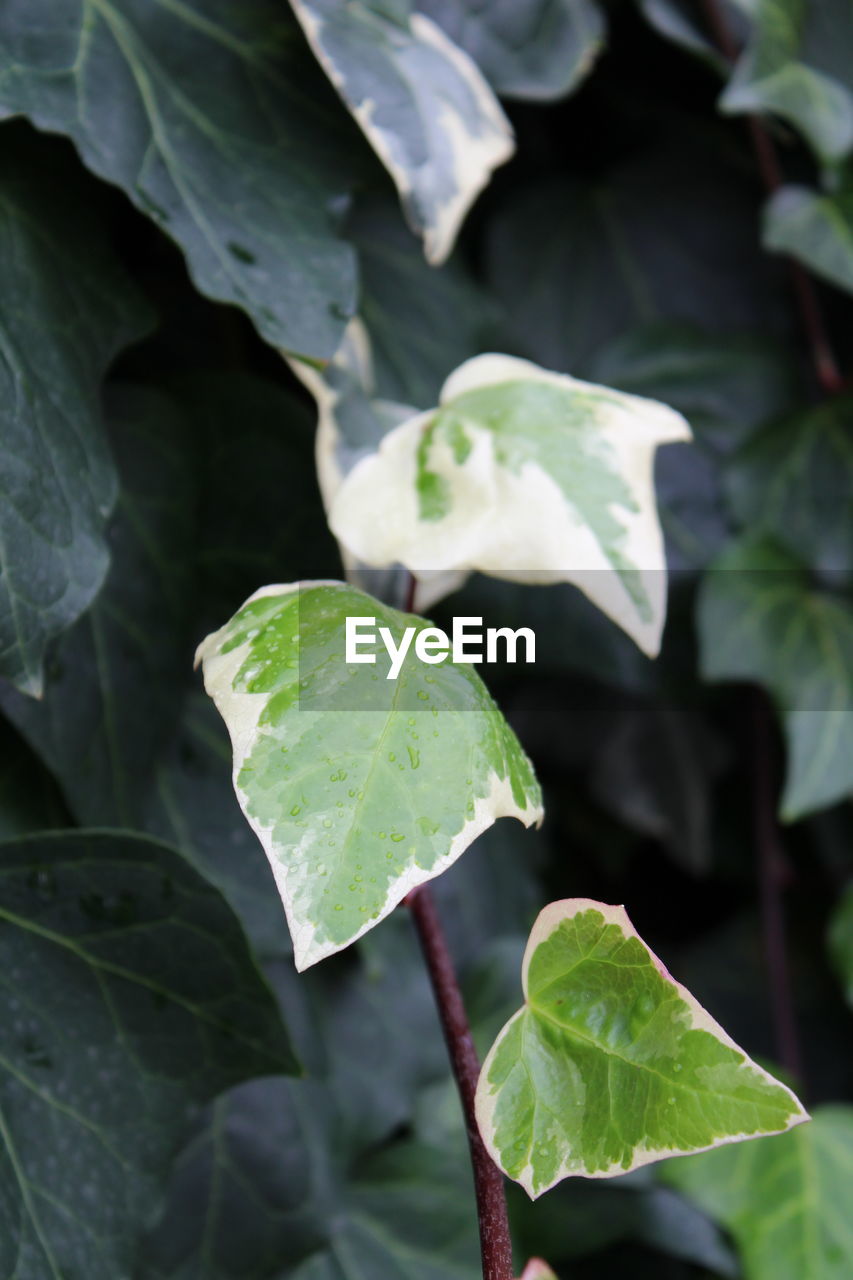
x=669 y=235
x=193 y=806
x=29 y=798
x=266 y=1192
x=255 y=439
x=816 y=229
x=573 y=1222
x=797 y=63
x=114 y=682
x=654 y=771
x=726 y=385
x=422 y=321
x=534 y=49
x=760 y=620
x=211 y=117
x=680 y=22
x=168 y=1009
x=67 y=307
x=794 y=482
x=841 y=942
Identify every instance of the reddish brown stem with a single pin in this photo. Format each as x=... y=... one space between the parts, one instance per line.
x=495 y=1243
x=811 y=314
x=771 y=884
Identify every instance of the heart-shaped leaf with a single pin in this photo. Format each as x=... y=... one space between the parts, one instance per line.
x=422 y=103
x=611 y=1064
x=526 y=475
x=358 y=787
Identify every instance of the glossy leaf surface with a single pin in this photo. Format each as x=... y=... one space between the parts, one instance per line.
x=359 y=787
x=526 y=475
x=611 y=1064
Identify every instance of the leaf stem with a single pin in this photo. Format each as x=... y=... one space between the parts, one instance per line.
x=771 y=884
x=811 y=314
x=495 y=1243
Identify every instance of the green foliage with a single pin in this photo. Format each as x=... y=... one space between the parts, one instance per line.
x=67 y=308
x=191 y=189
x=189 y=109
x=611 y=1064
x=784 y=1201
x=761 y=620
x=347 y=836
x=425 y=108
x=816 y=229
x=797 y=64
x=168 y=1009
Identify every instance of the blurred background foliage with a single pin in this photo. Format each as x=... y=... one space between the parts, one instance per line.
x=156 y=466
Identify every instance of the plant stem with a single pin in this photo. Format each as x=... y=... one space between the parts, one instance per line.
x=771 y=885
x=495 y=1243
x=811 y=314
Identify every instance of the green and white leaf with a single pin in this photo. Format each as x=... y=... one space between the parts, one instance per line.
x=785 y=1201
x=360 y=788
x=168 y=1010
x=351 y=424
x=611 y=1064
x=797 y=64
x=841 y=942
x=536 y=50
x=759 y=619
x=422 y=103
x=67 y=307
x=211 y=118
x=525 y=475
x=815 y=229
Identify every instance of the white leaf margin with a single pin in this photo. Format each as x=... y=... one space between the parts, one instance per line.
x=519 y=527
x=547 y=922
x=476 y=146
x=242 y=714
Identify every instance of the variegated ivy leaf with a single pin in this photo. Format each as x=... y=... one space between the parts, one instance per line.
x=351 y=422
x=610 y=1063
x=526 y=475
x=423 y=105
x=359 y=787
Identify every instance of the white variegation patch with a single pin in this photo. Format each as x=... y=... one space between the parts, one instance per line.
x=349 y=376
x=294 y=864
x=517 y=522
x=547 y=923
x=422 y=104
